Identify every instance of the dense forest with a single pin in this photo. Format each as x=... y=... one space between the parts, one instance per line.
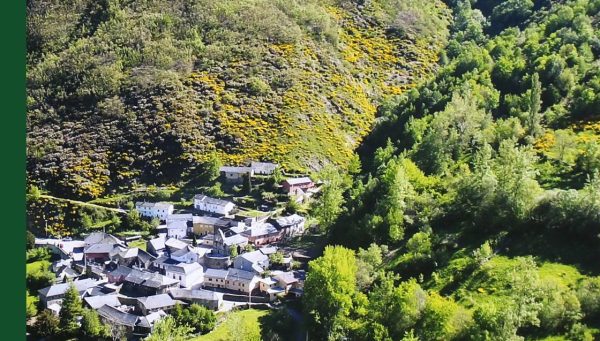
x=476 y=215
x=129 y=91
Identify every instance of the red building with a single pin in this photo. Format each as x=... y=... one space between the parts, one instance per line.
x=292 y=184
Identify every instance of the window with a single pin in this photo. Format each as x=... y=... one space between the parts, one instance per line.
x=180 y=278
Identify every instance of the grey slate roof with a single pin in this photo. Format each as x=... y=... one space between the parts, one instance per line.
x=179 y=217
x=216 y=273
x=158 y=205
x=120 y=271
x=233 y=169
x=157 y=243
x=289 y=220
x=175 y=244
x=102 y=248
x=184 y=268
x=298 y=181
x=261 y=230
x=254 y=256
x=116 y=316
x=149 y=279
x=263 y=167
x=165 y=260
x=156 y=301
x=101 y=238
x=240 y=274
x=96 y=302
x=209 y=200
x=60 y=289
x=200 y=294
x=207 y=220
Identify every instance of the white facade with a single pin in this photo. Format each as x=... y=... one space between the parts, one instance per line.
x=188 y=275
x=159 y=210
x=177 y=229
x=212 y=205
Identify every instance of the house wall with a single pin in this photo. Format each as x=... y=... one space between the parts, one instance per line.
x=202 y=206
x=155 y=212
x=178 y=233
x=202 y=229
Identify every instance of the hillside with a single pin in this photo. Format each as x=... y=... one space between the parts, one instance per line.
x=476 y=215
x=122 y=92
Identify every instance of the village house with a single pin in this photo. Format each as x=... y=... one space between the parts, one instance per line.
x=102 y=238
x=227 y=239
x=290 y=226
x=177 y=229
x=207 y=204
x=161 y=262
x=236 y=174
x=145 y=283
x=173 y=245
x=55 y=293
x=96 y=302
x=151 y=304
x=291 y=185
x=254 y=261
x=232 y=279
x=188 y=274
x=263 y=168
x=66 y=249
x=208 y=298
x=156 y=246
x=204 y=225
x=187 y=217
x=134 y=257
x=186 y=255
x=291 y=281
x=100 y=253
x=118 y=274
x=158 y=210
x=269 y=286
x=134 y=327
x=262 y=233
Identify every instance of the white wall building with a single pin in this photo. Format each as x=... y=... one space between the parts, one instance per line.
x=159 y=210
x=212 y=205
x=177 y=229
x=188 y=274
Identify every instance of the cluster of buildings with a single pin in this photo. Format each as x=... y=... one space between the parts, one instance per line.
x=209 y=257
x=133 y=288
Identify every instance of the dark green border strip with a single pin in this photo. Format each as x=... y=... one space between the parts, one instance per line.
x=12 y=113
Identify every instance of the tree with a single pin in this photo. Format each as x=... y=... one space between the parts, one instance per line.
x=419 y=245
x=211 y=169
x=588 y=293
x=91 y=326
x=534 y=118
x=200 y=318
x=194 y=241
x=328 y=206
x=368 y=262
x=276 y=258
x=329 y=290
x=70 y=310
x=167 y=329
x=46 y=324
x=30 y=240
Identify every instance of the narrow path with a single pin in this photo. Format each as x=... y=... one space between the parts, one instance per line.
x=83 y=203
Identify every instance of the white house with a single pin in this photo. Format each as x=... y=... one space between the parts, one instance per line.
x=212 y=205
x=232 y=279
x=252 y=261
x=159 y=210
x=177 y=229
x=263 y=168
x=185 y=255
x=236 y=174
x=291 y=225
x=188 y=274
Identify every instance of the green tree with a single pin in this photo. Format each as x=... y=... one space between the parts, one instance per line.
x=30 y=240
x=91 y=326
x=46 y=325
x=167 y=329
x=419 y=245
x=368 y=262
x=328 y=205
x=329 y=290
x=200 y=318
x=276 y=258
x=70 y=311
x=534 y=118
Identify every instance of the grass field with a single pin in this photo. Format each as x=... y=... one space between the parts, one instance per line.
x=249 y=320
x=36 y=266
x=141 y=244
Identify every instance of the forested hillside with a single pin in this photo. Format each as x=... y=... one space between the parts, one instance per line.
x=476 y=215
x=121 y=92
